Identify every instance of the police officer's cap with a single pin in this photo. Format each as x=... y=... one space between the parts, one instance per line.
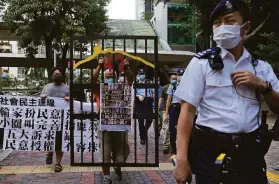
x=180 y=72
x=225 y=7
x=141 y=71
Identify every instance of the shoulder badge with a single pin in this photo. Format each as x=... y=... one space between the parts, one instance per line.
x=207 y=53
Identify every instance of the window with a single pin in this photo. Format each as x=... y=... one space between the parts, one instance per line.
x=180 y=24
x=20 y=72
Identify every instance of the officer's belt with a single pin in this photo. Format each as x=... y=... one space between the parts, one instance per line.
x=211 y=133
x=175 y=105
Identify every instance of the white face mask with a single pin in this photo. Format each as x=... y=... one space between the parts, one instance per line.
x=121 y=79
x=227 y=36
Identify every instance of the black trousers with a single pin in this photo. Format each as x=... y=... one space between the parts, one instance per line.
x=144 y=112
x=247 y=160
x=173 y=119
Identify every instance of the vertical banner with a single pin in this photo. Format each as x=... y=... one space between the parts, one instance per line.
x=82 y=128
x=116 y=107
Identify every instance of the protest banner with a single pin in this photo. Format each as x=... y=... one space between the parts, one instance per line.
x=32 y=123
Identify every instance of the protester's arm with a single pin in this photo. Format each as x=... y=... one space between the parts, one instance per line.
x=96 y=72
x=128 y=72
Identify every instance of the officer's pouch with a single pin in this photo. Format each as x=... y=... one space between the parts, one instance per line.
x=264 y=137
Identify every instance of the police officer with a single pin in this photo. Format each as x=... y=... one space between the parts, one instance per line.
x=173 y=109
x=143 y=102
x=225 y=83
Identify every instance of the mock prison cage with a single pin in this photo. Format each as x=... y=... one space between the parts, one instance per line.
x=86 y=146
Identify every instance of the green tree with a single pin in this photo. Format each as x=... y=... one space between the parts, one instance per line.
x=146 y=15
x=52 y=22
x=268 y=50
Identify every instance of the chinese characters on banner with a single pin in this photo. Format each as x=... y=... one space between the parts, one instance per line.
x=31 y=124
x=116 y=107
x=81 y=129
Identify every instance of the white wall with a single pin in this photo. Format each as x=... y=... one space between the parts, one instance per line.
x=161 y=20
x=140 y=7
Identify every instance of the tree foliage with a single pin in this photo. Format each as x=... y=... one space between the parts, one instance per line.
x=146 y=15
x=52 y=22
x=268 y=50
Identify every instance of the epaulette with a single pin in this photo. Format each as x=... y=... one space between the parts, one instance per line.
x=208 y=52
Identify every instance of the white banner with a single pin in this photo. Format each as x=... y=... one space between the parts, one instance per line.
x=31 y=124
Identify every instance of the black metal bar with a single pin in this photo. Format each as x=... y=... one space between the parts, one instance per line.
x=103 y=47
x=85 y=86
x=146 y=96
x=92 y=106
x=85 y=38
x=71 y=104
x=156 y=100
x=86 y=116
x=81 y=105
x=113 y=61
x=135 y=121
x=125 y=72
x=143 y=85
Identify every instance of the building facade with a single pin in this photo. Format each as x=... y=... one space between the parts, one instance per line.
x=173 y=21
x=143 y=6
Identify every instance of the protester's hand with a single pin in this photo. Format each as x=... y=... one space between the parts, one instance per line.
x=101 y=61
x=141 y=98
x=67 y=98
x=248 y=79
x=182 y=172
x=43 y=96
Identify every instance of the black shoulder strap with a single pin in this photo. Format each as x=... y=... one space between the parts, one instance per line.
x=213 y=56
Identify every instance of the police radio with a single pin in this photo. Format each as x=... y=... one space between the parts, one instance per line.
x=215 y=60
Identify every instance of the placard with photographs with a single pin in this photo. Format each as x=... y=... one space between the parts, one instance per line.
x=116 y=107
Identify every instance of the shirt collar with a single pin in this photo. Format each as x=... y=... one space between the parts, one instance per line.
x=244 y=55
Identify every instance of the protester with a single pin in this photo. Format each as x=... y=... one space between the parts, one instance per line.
x=227 y=86
x=114 y=143
x=60 y=90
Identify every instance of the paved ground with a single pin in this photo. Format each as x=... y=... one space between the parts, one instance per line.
x=29 y=167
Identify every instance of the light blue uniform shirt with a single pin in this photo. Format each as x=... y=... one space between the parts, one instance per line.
x=171 y=92
x=218 y=101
